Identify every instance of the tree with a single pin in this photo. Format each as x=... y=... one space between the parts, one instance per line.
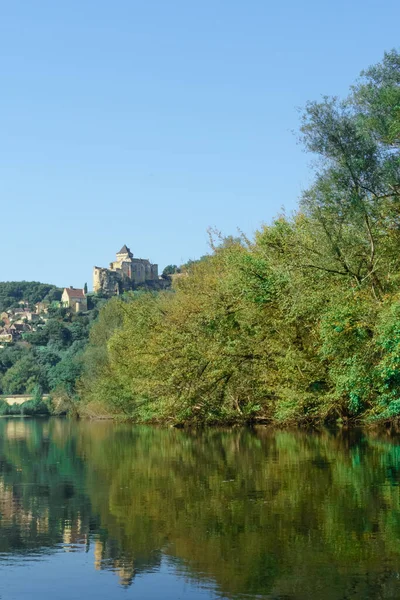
x=297 y=324
x=170 y=270
x=22 y=377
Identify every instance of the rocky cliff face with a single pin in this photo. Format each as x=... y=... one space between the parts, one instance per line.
x=106 y=281
x=111 y=283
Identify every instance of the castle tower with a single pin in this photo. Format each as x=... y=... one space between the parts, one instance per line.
x=124 y=254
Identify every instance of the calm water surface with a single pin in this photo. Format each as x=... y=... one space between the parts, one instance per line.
x=105 y=511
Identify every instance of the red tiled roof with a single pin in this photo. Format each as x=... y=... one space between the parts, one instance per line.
x=74 y=293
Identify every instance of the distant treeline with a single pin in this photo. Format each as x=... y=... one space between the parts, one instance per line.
x=299 y=324
x=13 y=292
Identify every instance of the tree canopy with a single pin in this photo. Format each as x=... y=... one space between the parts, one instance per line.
x=298 y=324
x=13 y=292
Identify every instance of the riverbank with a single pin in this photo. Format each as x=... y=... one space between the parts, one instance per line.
x=95 y=413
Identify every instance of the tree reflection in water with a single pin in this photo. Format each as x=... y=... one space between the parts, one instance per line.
x=274 y=514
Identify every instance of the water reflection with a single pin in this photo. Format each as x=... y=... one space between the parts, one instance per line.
x=222 y=513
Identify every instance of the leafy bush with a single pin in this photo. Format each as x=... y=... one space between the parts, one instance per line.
x=299 y=324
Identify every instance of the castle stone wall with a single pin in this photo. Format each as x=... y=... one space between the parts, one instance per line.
x=124 y=274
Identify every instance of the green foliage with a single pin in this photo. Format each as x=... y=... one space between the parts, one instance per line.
x=48 y=357
x=299 y=324
x=170 y=270
x=13 y=292
x=22 y=377
x=34 y=407
x=4 y=408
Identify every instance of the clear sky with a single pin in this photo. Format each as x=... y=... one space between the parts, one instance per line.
x=143 y=122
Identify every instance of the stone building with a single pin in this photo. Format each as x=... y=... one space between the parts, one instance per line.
x=124 y=274
x=74 y=298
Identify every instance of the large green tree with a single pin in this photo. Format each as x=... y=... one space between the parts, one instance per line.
x=300 y=323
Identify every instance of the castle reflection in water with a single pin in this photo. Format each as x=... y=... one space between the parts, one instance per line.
x=236 y=512
x=40 y=509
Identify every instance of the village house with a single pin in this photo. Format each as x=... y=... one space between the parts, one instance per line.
x=32 y=317
x=24 y=315
x=20 y=327
x=20 y=313
x=41 y=307
x=6 y=337
x=17 y=321
x=4 y=318
x=75 y=299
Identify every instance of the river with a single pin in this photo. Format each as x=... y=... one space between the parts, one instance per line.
x=107 y=511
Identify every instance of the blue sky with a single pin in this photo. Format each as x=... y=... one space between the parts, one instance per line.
x=145 y=122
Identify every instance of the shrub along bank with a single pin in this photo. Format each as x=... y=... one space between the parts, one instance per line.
x=299 y=324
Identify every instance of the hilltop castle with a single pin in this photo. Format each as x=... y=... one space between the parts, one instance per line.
x=123 y=274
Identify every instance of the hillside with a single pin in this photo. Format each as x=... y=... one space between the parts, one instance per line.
x=14 y=292
x=40 y=346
